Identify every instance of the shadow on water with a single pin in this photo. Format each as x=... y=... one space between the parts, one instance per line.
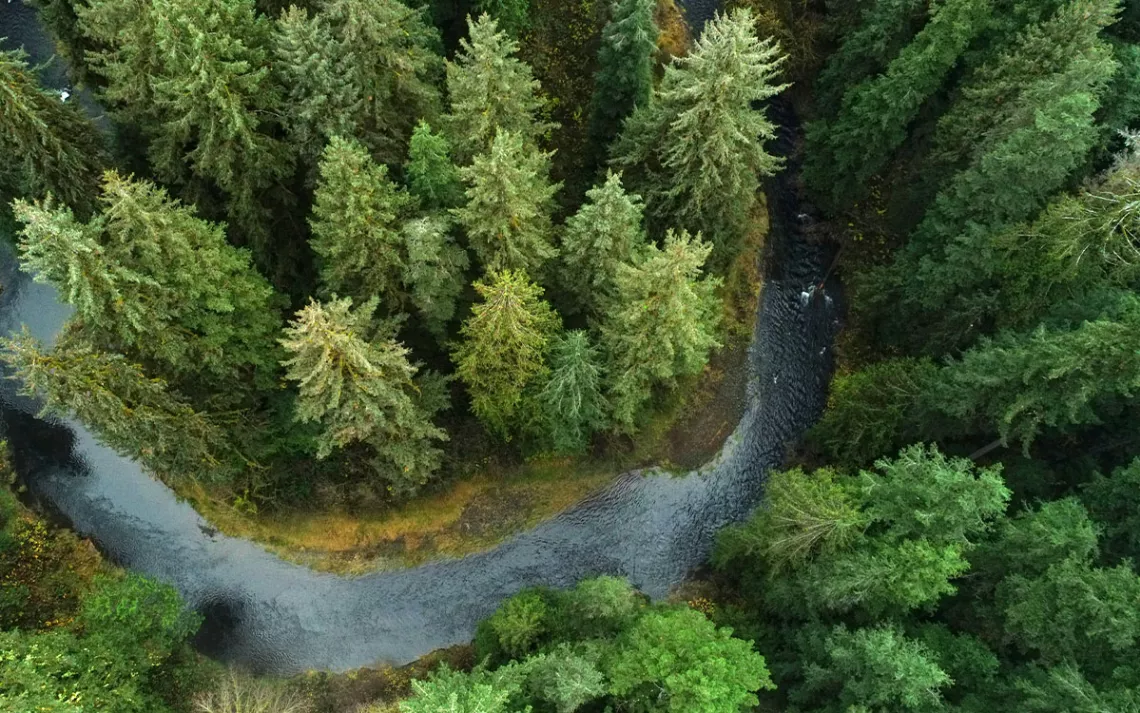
x=271 y=615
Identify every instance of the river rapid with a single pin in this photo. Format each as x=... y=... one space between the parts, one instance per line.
x=273 y=616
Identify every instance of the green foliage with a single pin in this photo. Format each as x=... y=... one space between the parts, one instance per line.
x=54 y=148
x=877 y=669
x=605 y=233
x=872 y=120
x=356 y=225
x=564 y=679
x=454 y=692
x=571 y=406
x=513 y=16
x=490 y=90
x=151 y=279
x=696 y=151
x=434 y=270
x=597 y=608
x=626 y=61
x=509 y=203
x=137 y=415
x=517 y=626
x=504 y=347
x=679 y=661
x=358 y=386
x=661 y=324
x=1115 y=503
x=432 y=177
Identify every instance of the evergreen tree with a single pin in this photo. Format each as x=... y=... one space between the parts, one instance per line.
x=699 y=144
x=490 y=90
x=359 y=388
x=872 y=121
x=570 y=405
x=662 y=324
x=392 y=63
x=434 y=270
x=356 y=225
x=432 y=177
x=151 y=279
x=126 y=56
x=605 y=233
x=217 y=106
x=315 y=76
x=509 y=202
x=512 y=16
x=53 y=146
x=626 y=61
x=133 y=413
x=504 y=346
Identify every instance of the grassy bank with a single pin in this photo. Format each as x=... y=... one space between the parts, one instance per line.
x=503 y=495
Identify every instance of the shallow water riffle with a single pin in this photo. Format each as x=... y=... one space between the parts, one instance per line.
x=274 y=616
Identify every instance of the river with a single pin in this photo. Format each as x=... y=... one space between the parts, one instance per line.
x=273 y=616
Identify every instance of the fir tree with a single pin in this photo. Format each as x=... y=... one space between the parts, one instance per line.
x=512 y=16
x=126 y=56
x=661 y=325
x=434 y=270
x=312 y=70
x=151 y=279
x=356 y=225
x=700 y=142
x=504 y=346
x=391 y=60
x=359 y=388
x=509 y=202
x=135 y=414
x=874 y=115
x=490 y=90
x=626 y=61
x=605 y=232
x=432 y=177
x=53 y=146
x=570 y=405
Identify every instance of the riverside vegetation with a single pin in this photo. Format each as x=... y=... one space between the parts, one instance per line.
x=957 y=534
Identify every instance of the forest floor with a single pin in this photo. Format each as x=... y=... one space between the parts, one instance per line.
x=504 y=496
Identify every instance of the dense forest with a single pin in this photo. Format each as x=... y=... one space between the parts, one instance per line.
x=332 y=245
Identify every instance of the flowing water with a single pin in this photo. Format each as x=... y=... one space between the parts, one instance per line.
x=274 y=616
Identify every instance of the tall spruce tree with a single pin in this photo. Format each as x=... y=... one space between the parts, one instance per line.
x=509 y=203
x=432 y=177
x=661 y=325
x=504 y=347
x=126 y=57
x=605 y=232
x=490 y=89
x=873 y=118
x=53 y=146
x=626 y=61
x=571 y=406
x=358 y=387
x=154 y=281
x=433 y=270
x=696 y=152
x=356 y=221
x=137 y=415
x=512 y=16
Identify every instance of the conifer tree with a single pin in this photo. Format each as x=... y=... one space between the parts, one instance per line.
x=509 y=203
x=310 y=67
x=490 y=89
x=151 y=279
x=512 y=16
x=872 y=121
x=391 y=61
x=504 y=346
x=55 y=147
x=626 y=61
x=356 y=225
x=570 y=405
x=605 y=232
x=432 y=177
x=697 y=149
x=434 y=270
x=218 y=107
x=358 y=387
x=126 y=56
x=133 y=413
x=661 y=325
